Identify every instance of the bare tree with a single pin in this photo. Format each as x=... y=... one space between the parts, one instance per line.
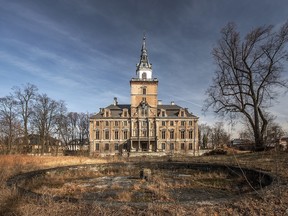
x=205 y=132
x=246 y=134
x=83 y=127
x=44 y=118
x=78 y=124
x=73 y=128
x=62 y=125
x=9 y=123
x=248 y=78
x=25 y=98
x=274 y=133
x=219 y=136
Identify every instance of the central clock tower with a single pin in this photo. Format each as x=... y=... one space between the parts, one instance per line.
x=144 y=88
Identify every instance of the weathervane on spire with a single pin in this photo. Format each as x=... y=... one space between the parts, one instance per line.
x=144 y=41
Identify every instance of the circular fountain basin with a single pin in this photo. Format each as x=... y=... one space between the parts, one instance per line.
x=169 y=182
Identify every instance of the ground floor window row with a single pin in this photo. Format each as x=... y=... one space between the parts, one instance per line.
x=172 y=146
x=163 y=146
x=110 y=147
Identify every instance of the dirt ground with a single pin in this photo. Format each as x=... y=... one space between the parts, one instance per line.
x=272 y=200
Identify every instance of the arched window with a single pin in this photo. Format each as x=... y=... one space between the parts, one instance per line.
x=171 y=134
x=144 y=75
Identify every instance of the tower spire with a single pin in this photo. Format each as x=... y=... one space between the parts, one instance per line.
x=144 y=44
x=144 y=66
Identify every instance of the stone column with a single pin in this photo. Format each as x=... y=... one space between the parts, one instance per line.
x=131 y=134
x=148 y=134
x=138 y=136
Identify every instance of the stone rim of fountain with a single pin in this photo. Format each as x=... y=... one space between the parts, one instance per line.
x=13 y=182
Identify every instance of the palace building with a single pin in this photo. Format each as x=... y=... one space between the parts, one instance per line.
x=145 y=126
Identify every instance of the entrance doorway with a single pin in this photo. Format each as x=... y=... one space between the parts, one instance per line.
x=144 y=146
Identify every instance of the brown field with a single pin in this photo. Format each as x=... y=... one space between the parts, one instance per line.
x=269 y=201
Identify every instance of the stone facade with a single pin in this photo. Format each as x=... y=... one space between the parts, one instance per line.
x=145 y=126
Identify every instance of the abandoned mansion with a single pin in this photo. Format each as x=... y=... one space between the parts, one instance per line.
x=145 y=126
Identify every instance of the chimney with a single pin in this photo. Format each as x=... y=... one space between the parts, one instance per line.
x=159 y=102
x=172 y=103
x=115 y=101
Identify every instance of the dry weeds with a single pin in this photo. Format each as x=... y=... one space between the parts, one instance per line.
x=270 y=201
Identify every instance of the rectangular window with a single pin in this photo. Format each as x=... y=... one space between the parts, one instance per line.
x=107 y=123
x=171 y=123
x=182 y=123
x=182 y=134
x=163 y=134
x=106 y=134
x=171 y=134
x=116 y=135
x=190 y=146
x=182 y=146
x=125 y=133
x=125 y=123
x=144 y=133
x=163 y=113
x=135 y=132
x=97 y=123
x=163 y=146
x=97 y=148
x=190 y=123
x=97 y=135
x=190 y=134
x=116 y=123
x=107 y=147
x=182 y=113
x=171 y=146
x=163 y=123
x=116 y=146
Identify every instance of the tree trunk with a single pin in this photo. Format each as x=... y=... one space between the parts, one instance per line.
x=259 y=140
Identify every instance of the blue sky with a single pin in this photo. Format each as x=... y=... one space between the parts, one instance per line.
x=85 y=51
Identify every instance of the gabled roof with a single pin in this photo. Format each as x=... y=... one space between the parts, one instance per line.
x=173 y=110
x=118 y=106
x=116 y=110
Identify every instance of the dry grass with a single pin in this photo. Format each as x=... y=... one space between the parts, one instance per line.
x=124 y=196
x=272 y=201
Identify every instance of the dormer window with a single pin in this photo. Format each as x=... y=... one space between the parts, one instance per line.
x=144 y=75
x=181 y=113
x=163 y=113
x=125 y=113
x=106 y=113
